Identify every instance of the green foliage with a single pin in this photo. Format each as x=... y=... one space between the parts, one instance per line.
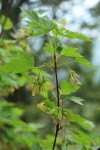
x=76 y=100
x=9 y=82
x=67 y=88
x=70 y=52
x=8 y=24
x=2 y=42
x=84 y=62
x=78 y=119
x=13 y=129
x=38 y=25
x=39 y=82
x=22 y=63
x=49 y=48
x=73 y=35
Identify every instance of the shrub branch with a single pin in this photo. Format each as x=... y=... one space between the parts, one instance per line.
x=58 y=98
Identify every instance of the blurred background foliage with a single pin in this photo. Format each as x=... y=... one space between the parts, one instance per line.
x=20 y=120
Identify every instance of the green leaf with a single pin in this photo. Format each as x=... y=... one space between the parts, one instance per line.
x=13 y=47
x=84 y=62
x=80 y=136
x=2 y=42
x=32 y=15
x=78 y=119
x=38 y=25
x=27 y=76
x=49 y=85
x=47 y=106
x=17 y=111
x=49 y=103
x=71 y=52
x=8 y=24
x=81 y=121
x=76 y=99
x=22 y=63
x=4 y=103
x=67 y=88
x=49 y=48
x=41 y=11
x=38 y=71
x=72 y=35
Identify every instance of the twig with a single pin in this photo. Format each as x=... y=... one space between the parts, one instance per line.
x=56 y=134
x=58 y=99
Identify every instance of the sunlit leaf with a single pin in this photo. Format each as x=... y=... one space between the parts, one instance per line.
x=72 y=35
x=49 y=103
x=47 y=106
x=49 y=48
x=22 y=63
x=2 y=42
x=8 y=23
x=27 y=76
x=37 y=71
x=38 y=25
x=49 y=85
x=67 y=88
x=71 y=52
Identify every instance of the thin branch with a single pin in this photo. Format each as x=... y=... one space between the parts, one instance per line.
x=57 y=86
x=56 y=134
x=58 y=98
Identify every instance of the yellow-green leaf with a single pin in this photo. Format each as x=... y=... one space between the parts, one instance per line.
x=22 y=63
x=67 y=88
x=8 y=23
x=71 y=52
x=49 y=48
x=38 y=25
